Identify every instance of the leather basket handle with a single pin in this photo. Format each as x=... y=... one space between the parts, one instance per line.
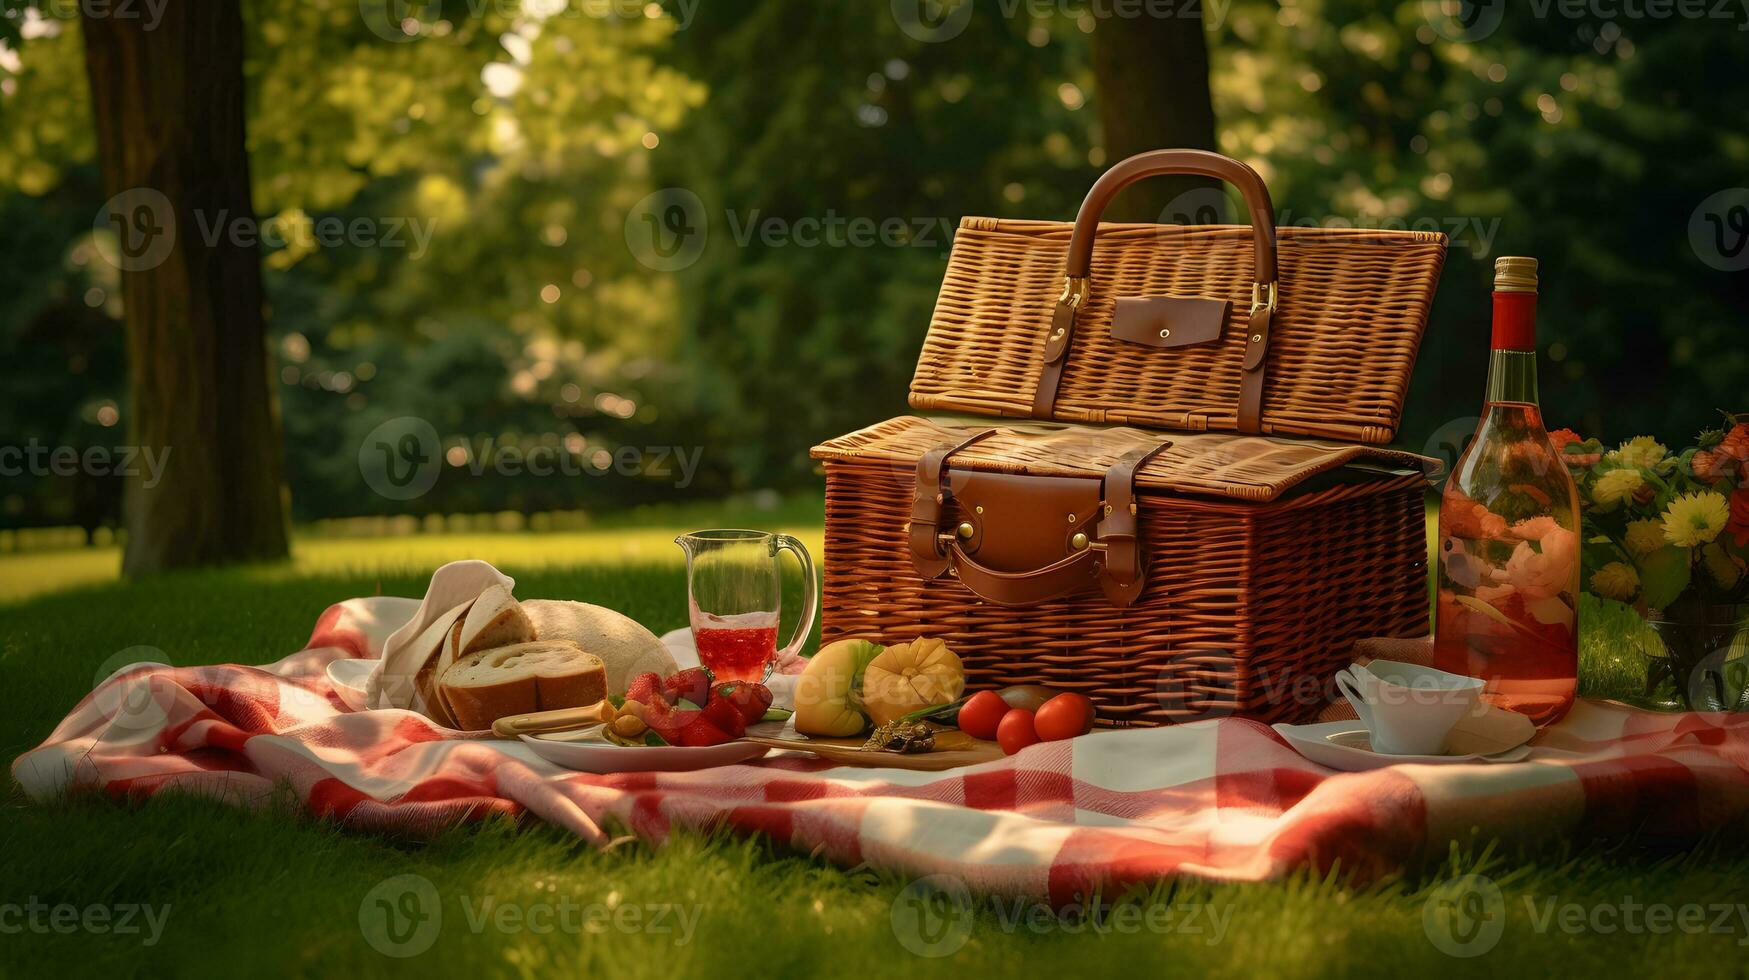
x=1159 y=163
x=1077 y=270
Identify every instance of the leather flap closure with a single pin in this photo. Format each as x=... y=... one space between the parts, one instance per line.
x=1169 y=321
x=1021 y=523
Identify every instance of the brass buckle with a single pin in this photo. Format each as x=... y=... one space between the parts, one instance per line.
x=1074 y=291
x=1263 y=294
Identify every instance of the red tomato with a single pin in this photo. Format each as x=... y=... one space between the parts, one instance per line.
x=980 y=715
x=1064 y=716
x=1016 y=731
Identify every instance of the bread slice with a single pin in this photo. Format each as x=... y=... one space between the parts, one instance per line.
x=494 y=619
x=487 y=685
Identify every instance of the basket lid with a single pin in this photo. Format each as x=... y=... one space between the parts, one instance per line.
x=1247 y=328
x=1233 y=466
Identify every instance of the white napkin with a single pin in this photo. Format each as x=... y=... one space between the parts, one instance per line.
x=453 y=588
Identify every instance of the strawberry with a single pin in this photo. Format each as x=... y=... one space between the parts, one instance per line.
x=692 y=684
x=666 y=720
x=646 y=687
x=750 y=698
x=725 y=715
x=700 y=732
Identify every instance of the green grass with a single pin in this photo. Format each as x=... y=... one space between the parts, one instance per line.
x=280 y=893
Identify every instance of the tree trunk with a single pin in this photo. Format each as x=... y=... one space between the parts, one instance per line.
x=1151 y=84
x=168 y=104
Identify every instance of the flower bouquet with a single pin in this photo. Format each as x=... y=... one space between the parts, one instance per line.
x=1668 y=533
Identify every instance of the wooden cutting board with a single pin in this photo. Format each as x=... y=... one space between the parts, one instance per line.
x=953 y=749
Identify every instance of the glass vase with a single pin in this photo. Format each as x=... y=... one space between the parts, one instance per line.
x=1699 y=654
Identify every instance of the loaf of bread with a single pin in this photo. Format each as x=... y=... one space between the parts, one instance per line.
x=486 y=685
x=625 y=646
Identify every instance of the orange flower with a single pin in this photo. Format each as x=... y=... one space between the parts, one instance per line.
x=1561 y=437
x=1736 y=444
x=1738 y=527
x=1707 y=466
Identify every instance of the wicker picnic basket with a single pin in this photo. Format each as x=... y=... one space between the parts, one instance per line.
x=1291 y=331
x=1168 y=575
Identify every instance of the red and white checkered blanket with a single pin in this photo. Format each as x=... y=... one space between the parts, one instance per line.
x=1221 y=799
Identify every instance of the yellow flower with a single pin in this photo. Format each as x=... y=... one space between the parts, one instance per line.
x=1616 y=580
x=1719 y=562
x=1642 y=451
x=1696 y=518
x=1644 y=537
x=1615 y=486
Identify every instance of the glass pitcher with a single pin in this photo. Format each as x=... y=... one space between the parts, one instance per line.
x=734 y=588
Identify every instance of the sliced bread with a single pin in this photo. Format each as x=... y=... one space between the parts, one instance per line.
x=487 y=685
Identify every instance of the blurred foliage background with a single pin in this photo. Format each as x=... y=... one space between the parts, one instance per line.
x=527 y=157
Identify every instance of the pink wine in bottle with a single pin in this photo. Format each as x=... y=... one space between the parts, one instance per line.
x=1509 y=532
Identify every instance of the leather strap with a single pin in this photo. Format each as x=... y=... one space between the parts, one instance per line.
x=1125 y=564
x=1117 y=563
x=1044 y=399
x=927 y=502
x=1256 y=358
x=1077 y=269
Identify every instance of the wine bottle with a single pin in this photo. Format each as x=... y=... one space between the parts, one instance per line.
x=1509 y=532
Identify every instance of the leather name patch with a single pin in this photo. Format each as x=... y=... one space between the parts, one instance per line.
x=1169 y=321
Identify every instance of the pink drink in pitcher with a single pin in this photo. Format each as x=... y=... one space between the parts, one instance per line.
x=736 y=648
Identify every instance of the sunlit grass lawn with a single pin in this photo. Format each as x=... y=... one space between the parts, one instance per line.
x=276 y=892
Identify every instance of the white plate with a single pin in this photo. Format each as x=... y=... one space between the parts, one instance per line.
x=351 y=678
x=1343 y=745
x=586 y=751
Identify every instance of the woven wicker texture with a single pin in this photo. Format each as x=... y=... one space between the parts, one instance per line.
x=1352 y=307
x=1218 y=464
x=1249 y=607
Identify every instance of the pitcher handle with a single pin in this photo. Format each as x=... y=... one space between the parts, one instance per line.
x=810 y=595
